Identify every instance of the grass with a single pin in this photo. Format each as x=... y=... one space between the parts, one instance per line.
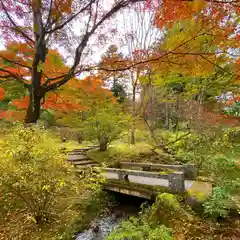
x=119 y=151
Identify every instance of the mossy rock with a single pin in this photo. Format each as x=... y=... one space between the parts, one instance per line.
x=197 y=194
x=168 y=200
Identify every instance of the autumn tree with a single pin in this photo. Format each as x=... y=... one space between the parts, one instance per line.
x=115 y=80
x=45 y=24
x=139 y=33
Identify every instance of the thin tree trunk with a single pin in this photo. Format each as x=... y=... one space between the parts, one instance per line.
x=103 y=142
x=166 y=116
x=132 y=133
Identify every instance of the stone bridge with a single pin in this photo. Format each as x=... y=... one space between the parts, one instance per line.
x=142 y=179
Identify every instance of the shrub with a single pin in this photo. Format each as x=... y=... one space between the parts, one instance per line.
x=218 y=205
x=105 y=126
x=166 y=210
x=140 y=229
x=226 y=174
x=149 y=224
x=38 y=187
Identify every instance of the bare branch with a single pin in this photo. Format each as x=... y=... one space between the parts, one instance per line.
x=18 y=29
x=14 y=62
x=70 y=19
x=49 y=15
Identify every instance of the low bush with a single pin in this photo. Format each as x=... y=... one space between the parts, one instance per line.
x=105 y=126
x=39 y=193
x=140 y=229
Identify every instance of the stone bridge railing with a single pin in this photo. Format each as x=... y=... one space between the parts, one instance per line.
x=189 y=170
x=175 y=181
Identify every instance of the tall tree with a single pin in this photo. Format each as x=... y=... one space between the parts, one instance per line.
x=139 y=35
x=45 y=23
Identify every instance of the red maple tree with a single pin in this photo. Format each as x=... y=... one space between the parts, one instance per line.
x=45 y=24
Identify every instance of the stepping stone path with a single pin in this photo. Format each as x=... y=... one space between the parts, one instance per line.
x=79 y=158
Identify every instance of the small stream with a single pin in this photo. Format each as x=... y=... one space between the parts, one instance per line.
x=100 y=228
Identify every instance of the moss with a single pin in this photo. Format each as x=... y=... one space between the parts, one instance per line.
x=200 y=190
x=168 y=200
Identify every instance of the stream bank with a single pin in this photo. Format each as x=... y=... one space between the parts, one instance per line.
x=125 y=207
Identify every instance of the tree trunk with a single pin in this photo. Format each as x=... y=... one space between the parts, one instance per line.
x=103 y=142
x=34 y=107
x=132 y=133
x=166 y=124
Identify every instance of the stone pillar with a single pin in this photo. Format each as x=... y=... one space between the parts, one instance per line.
x=120 y=176
x=190 y=171
x=123 y=177
x=176 y=182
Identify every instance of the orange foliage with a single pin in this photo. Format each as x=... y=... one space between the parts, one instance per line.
x=54 y=65
x=60 y=7
x=92 y=87
x=62 y=103
x=232 y=101
x=66 y=101
x=17 y=61
x=21 y=103
x=11 y=115
x=2 y=93
x=174 y=10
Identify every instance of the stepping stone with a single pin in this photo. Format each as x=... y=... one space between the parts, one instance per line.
x=77 y=153
x=83 y=162
x=77 y=157
x=82 y=167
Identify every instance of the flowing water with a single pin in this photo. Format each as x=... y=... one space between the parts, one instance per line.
x=100 y=228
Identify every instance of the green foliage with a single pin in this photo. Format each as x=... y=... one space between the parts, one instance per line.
x=118 y=92
x=140 y=229
x=150 y=224
x=233 y=110
x=218 y=205
x=226 y=174
x=38 y=188
x=216 y=156
x=166 y=209
x=105 y=126
x=14 y=89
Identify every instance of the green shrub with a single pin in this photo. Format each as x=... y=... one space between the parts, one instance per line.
x=166 y=210
x=218 y=205
x=38 y=188
x=140 y=229
x=105 y=126
x=149 y=223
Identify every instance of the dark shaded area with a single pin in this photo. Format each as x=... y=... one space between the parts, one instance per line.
x=128 y=205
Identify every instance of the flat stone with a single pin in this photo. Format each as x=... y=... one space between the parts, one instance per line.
x=77 y=157
x=83 y=162
x=82 y=167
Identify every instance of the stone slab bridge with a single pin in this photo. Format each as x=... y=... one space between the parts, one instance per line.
x=144 y=179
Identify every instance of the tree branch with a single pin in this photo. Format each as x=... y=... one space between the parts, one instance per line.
x=49 y=15
x=14 y=24
x=14 y=62
x=82 y=45
x=70 y=19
